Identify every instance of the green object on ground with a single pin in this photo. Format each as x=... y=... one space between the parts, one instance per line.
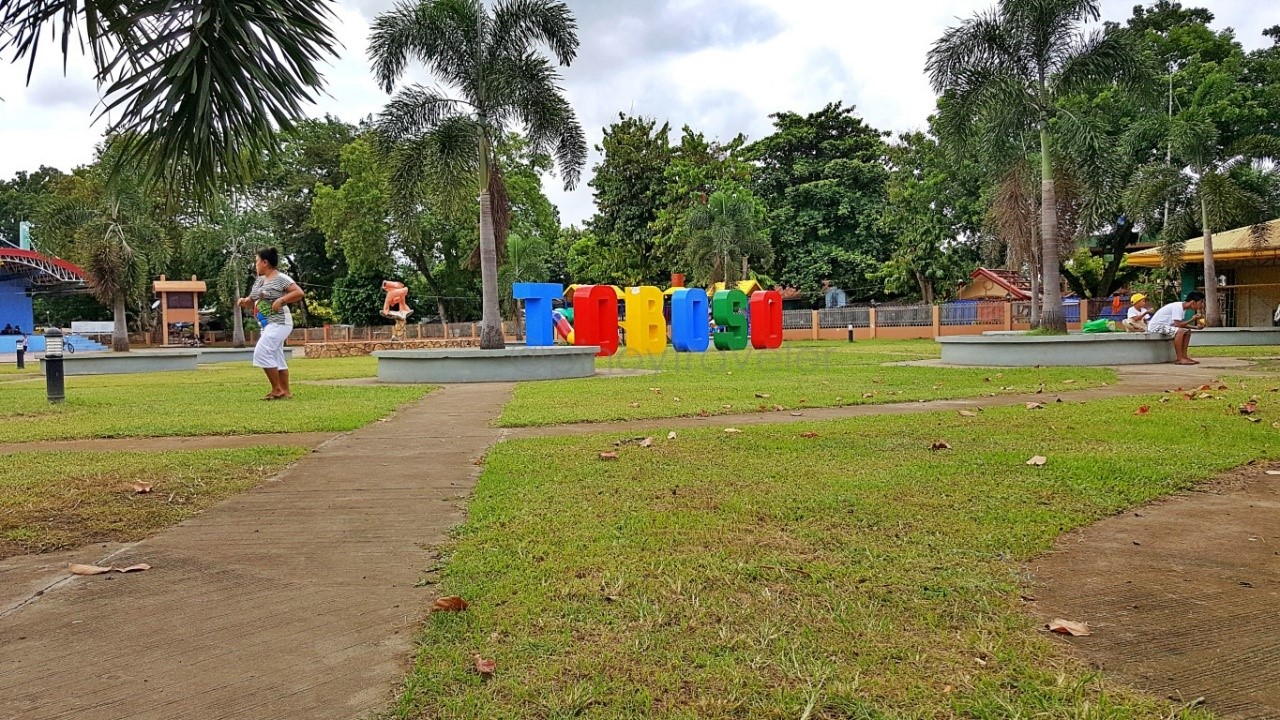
x=1096 y=326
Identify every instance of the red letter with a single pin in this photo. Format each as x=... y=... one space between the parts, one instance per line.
x=595 y=318
x=766 y=319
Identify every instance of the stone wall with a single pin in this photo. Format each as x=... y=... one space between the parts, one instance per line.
x=367 y=347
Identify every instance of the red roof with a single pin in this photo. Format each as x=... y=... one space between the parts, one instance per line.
x=1011 y=282
x=52 y=269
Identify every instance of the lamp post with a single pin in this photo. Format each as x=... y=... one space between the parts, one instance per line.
x=53 y=374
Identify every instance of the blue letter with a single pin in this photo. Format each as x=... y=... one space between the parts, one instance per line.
x=690 y=322
x=537 y=297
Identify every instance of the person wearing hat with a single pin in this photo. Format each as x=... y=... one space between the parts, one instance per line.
x=1139 y=314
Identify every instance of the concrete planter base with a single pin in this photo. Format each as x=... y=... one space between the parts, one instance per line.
x=209 y=356
x=463 y=365
x=134 y=361
x=1018 y=350
x=1236 y=336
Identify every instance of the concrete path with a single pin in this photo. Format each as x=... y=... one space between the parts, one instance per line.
x=294 y=600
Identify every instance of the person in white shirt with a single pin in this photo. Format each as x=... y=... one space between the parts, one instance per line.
x=1139 y=313
x=1171 y=321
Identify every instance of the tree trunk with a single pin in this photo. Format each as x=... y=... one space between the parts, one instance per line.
x=1051 y=317
x=237 y=320
x=444 y=319
x=491 y=319
x=120 y=332
x=1212 y=311
x=1035 y=291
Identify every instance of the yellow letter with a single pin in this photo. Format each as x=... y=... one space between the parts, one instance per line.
x=645 y=326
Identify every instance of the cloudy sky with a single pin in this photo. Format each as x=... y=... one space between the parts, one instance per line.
x=721 y=66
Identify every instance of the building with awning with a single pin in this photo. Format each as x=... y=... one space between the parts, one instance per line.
x=1247 y=262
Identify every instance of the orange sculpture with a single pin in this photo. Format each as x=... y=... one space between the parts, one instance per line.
x=397 y=296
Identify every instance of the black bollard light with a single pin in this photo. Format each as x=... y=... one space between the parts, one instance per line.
x=53 y=376
x=850 y=332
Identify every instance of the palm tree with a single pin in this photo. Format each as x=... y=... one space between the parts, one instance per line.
x=199 y=87
x=723 y=230
x=231 y=235
x=498 y=80
x=1004 y=70
x=1198 y=188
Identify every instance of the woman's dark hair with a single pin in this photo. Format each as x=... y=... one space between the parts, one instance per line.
x=270 y=256
x=1195 y=296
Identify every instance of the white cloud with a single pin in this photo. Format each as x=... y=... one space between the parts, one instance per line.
x=720 y=66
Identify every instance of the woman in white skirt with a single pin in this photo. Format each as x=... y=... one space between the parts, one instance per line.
x=269 y=298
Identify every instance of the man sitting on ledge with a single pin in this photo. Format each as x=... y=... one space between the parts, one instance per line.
x=1171 y=321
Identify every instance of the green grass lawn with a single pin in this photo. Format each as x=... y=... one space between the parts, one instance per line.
x=799 y=375
x=765 y=574
x=214 y=400
x=50 y=501
x=1237 y=351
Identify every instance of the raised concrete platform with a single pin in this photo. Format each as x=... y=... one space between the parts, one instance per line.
x=134 y=361
x=209 y=356
x=1237 y=336
x=464 y=365
x=1002 y=349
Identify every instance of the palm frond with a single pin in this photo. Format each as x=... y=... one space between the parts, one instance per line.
x=417 y=109
x=519 y=24
x=981 y=42
x=1101 y=58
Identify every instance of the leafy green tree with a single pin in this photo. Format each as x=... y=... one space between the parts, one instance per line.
x=103 y=218
x=629 y=186
x=198 y=89
x=357 y=299
x=222 y=245
x=499 y=80
x=19 y=198
x=932 y=215
x=697 y=169
x=722 y=233
x=1004 y=70
x=309 y=155
x=822 y=179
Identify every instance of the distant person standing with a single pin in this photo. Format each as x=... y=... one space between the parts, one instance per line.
x=833 y=297
x=269 y=298
x=20 y=348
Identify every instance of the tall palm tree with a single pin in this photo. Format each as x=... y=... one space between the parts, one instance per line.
x=1199 y=190
x=1004 y=71
x=199 y=86
x=721 y=232
x=498 y=79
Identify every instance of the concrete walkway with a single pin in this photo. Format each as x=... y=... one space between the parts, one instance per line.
x=295 y=599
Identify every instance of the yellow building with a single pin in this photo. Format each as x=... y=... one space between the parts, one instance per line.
x=1248 y=272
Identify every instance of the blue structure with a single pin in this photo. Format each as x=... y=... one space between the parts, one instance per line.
x=24 y=272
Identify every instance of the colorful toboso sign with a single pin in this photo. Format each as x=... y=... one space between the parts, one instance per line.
x=738 y=318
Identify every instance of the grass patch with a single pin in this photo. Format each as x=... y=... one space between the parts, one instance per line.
x=214 y=400
x=856 y=574
x=1237 y=351
x=50 y=501
x=801 y=375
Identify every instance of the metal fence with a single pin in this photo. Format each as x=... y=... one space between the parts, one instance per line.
x=858 y=317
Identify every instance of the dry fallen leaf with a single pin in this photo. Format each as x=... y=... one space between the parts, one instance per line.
x=1249 y=408
x=1273 y=472
x=762 y=395
x=868 y=395
x=1142 y=410
x=732 y=431
x=647 y=442
x=142 y=488
x=657 y=391
x=1254 y=419
x=1038 y=461
x=608 y=456
x=810 y=435
x=1068 y=627
x=485 y=667
x=727 y=407
x=77 y=569
x=635 y=405
x=968 y=413
x=671 y=435
x=703 y=413
x=797 y=414
x=134 y=568
x=940 y=446
x=1164 y=399
x=449 y=603
x=1223 y=387
x=1035 y=406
